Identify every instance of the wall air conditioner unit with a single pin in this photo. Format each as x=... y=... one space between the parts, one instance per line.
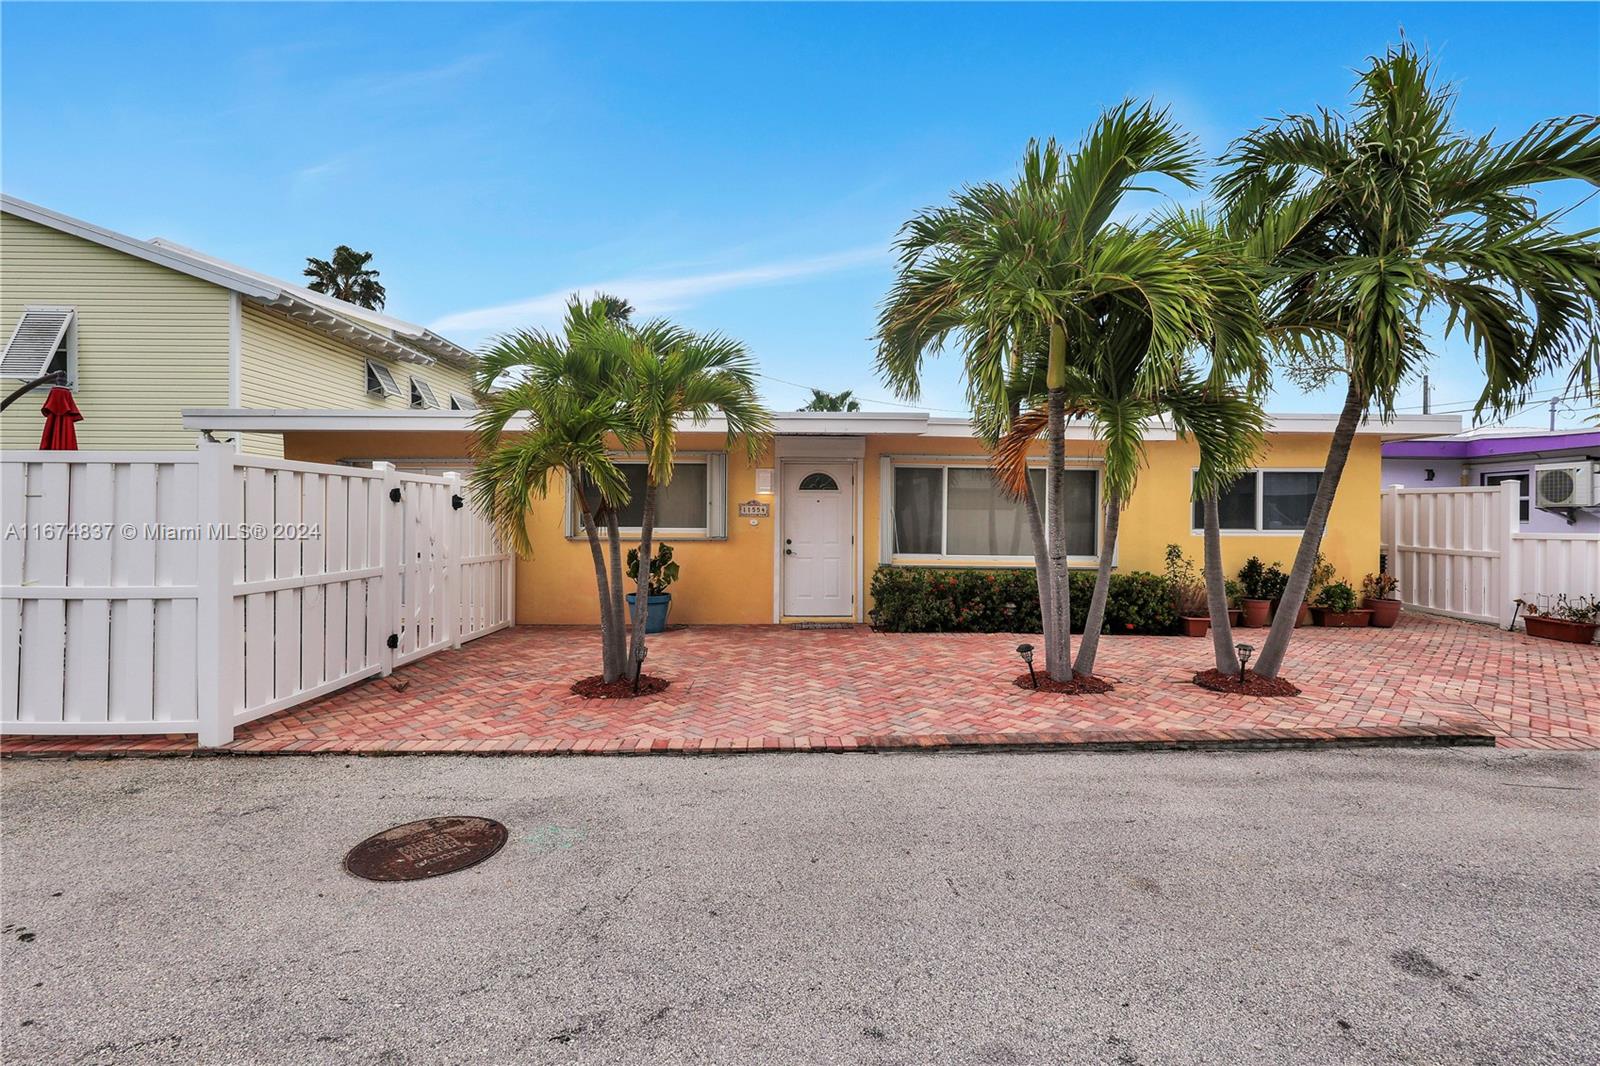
x=1561 y=485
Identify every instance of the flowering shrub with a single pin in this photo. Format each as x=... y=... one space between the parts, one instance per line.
x=914 y=599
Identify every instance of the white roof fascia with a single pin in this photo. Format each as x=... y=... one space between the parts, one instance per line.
x=858 y=423
x=419 y=335
x=325 y=313
x=146 y=250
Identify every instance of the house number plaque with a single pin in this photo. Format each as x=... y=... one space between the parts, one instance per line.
x=754 y=509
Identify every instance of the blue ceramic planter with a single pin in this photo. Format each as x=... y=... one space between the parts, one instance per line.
x=655 y=611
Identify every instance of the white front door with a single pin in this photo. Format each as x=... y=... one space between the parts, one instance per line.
x=819 y=506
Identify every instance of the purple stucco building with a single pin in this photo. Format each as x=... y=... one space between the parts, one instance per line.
x=1488 y=457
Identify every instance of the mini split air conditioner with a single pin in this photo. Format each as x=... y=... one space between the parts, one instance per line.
x=1560 y=485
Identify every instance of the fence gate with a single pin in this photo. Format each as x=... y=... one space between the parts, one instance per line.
x=424 y=611
x=173 y=592
x=1461 y=552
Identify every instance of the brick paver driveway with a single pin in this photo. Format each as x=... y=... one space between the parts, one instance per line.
x=764 y=687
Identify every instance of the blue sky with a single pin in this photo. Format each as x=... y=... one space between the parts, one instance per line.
x=741 y=168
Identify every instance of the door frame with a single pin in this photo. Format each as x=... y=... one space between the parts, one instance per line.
x=857 y=490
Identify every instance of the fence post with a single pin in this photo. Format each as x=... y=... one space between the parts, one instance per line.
x=452 y=560
x=1391 y=506
x=389 y=540
x=214 y=665
x=1510 y=558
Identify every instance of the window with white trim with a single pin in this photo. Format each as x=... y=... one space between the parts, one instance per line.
x=961 y=512
x=45 y=341
x=459 y=402
x=422 y=393
x=1264 y=501
x=693 y=503
x=380 y=382
x=1520 y=477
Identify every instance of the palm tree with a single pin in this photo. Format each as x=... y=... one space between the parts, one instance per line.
x=346 y=277
x=673 y=375
x=1239 y=243
x=601 y=387
x=1042 y=266
x=572 y=398
x=832 y=401
x=1226 y=424
x=1402 y=215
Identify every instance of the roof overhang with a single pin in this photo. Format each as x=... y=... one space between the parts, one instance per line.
x=371 y=331
x=1533 y=446
x=807 y=423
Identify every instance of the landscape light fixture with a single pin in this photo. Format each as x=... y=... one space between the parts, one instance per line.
x=1026 y=651
x=638 y=671
x=1245 y=651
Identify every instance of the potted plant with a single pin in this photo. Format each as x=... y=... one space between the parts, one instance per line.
x=1259 y=590
x=1380 y=594
x=1336 y=607
x=1188 y=594
x=1235 y=593
x=1572 y=621
x=663 y=572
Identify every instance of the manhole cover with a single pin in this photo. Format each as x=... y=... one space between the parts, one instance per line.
x=427 y=848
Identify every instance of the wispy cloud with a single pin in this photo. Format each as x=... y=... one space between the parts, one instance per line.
x=658 y=295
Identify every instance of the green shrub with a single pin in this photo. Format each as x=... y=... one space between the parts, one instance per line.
x=1338 y=597
x=915 y=599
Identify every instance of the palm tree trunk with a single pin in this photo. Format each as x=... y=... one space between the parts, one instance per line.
x=1294 y=595
x=609 y=665
x=1090 y=644
x=1030 y=503
x=616 y=604
x=1041 y=560
x=1058 y=631
x=1217 y=590
x=641 y=594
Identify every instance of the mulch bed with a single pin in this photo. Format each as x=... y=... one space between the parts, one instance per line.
x=1080 y=685
x=1253 y=685
x=597 y=688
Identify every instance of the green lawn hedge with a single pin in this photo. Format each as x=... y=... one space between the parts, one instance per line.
x=915 y=599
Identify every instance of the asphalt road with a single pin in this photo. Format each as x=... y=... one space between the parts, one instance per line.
x=1321 y=907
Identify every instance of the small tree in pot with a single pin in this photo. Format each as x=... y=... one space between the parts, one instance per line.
x=663 y=572
x=1380 y=594
x=1259 y=590
x=1188 y=593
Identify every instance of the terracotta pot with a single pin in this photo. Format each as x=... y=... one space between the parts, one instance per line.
x=1305 y=617
x=1559 y=629
x=1257 y=612
x=1358 y=619
x=1235 y=617
x=1195 y=627
x=1384 y=612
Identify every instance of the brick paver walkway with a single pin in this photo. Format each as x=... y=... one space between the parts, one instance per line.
x=766 y=688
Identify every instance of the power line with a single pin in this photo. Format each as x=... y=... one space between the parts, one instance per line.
x=866 y=399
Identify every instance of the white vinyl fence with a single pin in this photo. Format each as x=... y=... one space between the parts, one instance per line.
x=173 y=592
x=1460 y=552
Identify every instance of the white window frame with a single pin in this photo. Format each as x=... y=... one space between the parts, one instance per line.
x=716 y=527
x=387 y=386
x=461 y=402
x=1261 y=502
x=422 y=396
x=1524 y=499
x=886 y=530
x=67 y=338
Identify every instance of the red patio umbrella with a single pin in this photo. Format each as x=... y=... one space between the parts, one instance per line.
x=60 y=413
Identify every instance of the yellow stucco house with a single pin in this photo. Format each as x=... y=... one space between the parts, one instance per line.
x=797 y=535
x=144 y=329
